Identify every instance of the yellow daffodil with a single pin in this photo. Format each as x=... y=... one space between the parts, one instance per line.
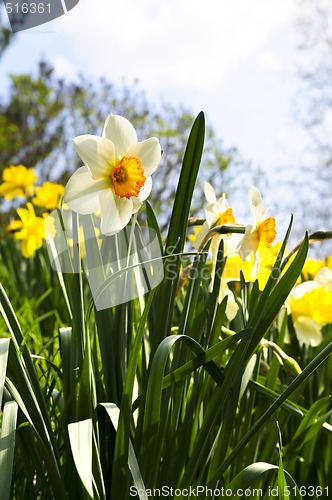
x=310 y=304
x=116 y=176
x=262 y=232
x=48 y=195
x=17 y=181
x=311 y=268
x=267 y=257
x=29 y=230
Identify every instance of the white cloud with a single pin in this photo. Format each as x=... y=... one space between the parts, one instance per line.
x=182 y=43
x=64 y=68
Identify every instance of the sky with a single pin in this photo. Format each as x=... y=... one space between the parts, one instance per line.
x=235 y=60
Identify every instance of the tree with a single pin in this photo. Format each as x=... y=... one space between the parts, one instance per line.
x=314 y=107
x=31 y=121
x=6 y=33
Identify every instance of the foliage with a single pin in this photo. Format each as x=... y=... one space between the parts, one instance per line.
x=6 y=33
x=163 y=390
x=313 y=109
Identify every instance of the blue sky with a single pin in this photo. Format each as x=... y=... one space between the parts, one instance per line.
x=236 y=60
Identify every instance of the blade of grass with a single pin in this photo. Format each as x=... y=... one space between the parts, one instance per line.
x=245 y=479
x=113 y=413
x=178 y=226
x=7 y=444
x=119 y=472
x=80 y=437
x=4 y=349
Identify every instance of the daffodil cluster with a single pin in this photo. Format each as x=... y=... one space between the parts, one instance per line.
x=20 y=182
x=253 y=254
x=250 y=252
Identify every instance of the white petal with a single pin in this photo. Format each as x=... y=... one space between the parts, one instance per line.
x=210 y=193
x=96 y=152
x=121 y=132
x=229 y=248
x=231 y=244
x=148 y=152
x=136 y=204
x=222 y=204
x=214 y=210
x=255 y=265
x=302 y=288
x=82 y=192
x=256 y=204
x=249 y=243
x=308 y=331
x=231 y=306
x=201 y=235
x=324 y=277
x=211 y=214
x=214 y=247
x=145 y=190
x=115 y=212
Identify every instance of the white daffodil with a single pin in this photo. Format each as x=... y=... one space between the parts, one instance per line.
x=261 y=232
x=310 y=304
x=217 y=213
x=116 y=176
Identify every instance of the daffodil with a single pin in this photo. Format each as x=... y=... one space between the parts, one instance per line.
x=29 y=230
x=267 y=256
x=48 y=195
x=116 y=176
x=310 y=304
x=17 y=181
x=262 y=232
x=217 y=213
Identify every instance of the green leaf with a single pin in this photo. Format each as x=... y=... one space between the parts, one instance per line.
x=178 y=225
x=113 y=413
x=246 y=478
x=309 y=426
x=7 y=444
x=250 y=474
x=281 y=481
x=4 y=348
x=122 y=443
x=80 y=437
